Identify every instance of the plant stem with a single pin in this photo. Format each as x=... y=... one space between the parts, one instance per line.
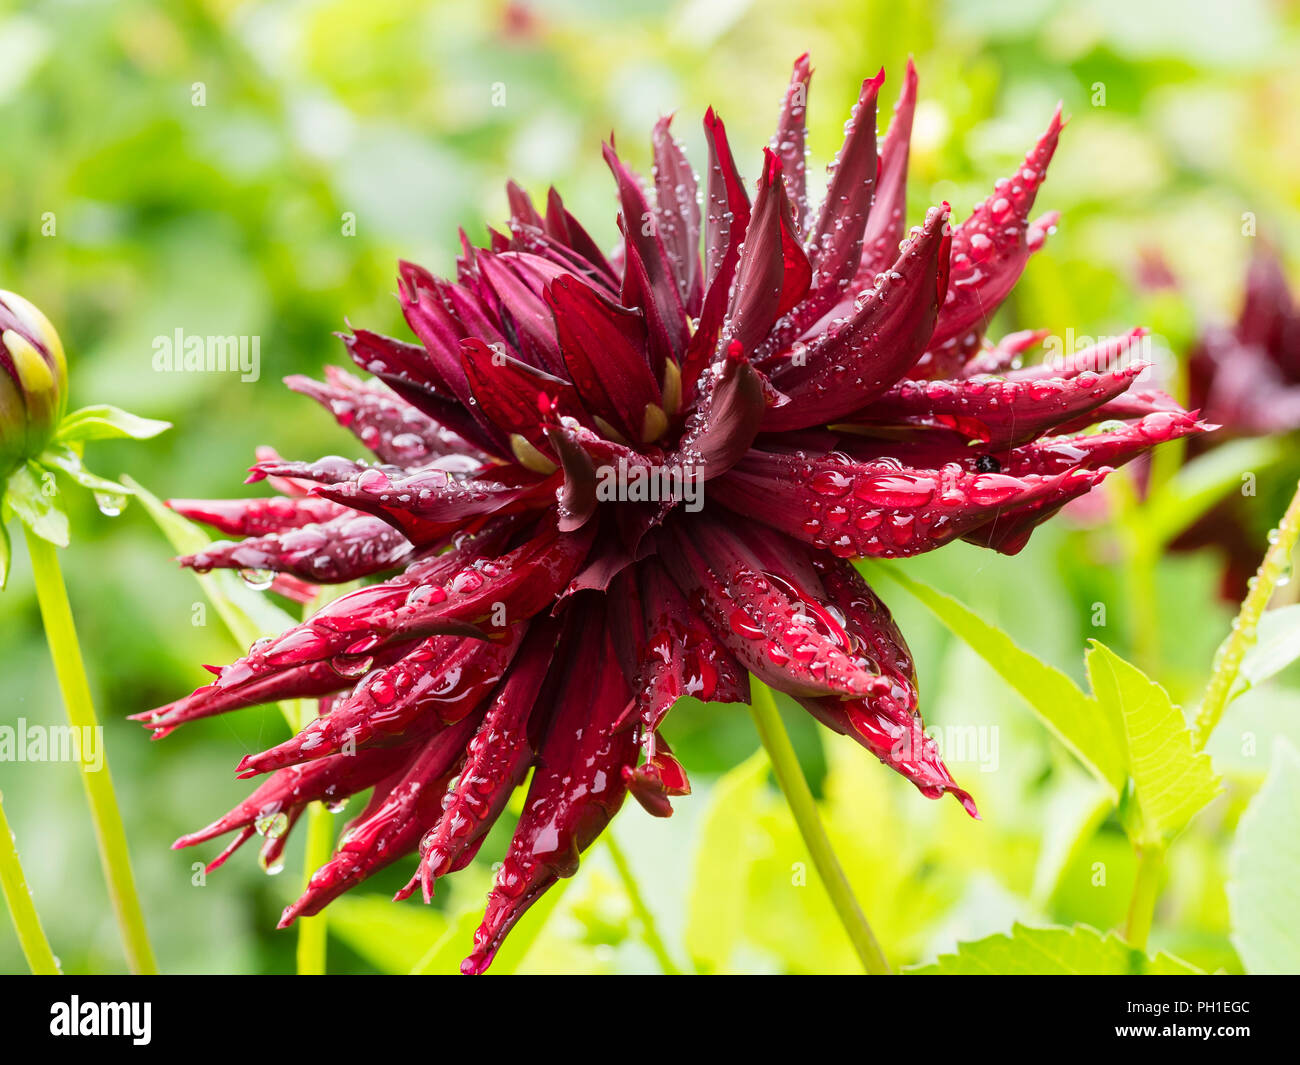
x=18 y=896
x=61 y=634
x=1229 y=656
x=313 y=931
x=1142 y=903
x=785 y=766
x=648 y=930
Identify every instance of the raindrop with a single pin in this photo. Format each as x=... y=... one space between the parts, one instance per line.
x=110 y=504
x=257 y=579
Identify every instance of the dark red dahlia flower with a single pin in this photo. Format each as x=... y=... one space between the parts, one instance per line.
x=1246 y=378
x=605 y=482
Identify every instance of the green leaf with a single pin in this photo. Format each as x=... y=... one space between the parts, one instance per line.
x=1171 y=780
x=247 y=614
x=1069 y=714
x=1277 y=645
x=107 y=423
x=715 y=917
x=1052 y=952
x=392 y=937
x=514 y=951
x=1264 y=877
x=68 y=462
x=1073 y=813
x=1201 y=483
x=6 y=554
x=37 y=508
x=446 y=954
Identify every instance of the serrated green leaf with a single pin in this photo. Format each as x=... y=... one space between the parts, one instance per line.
x=107 y=423
x=1277 y=645
x=715 y=920
x=1171 y=780
x=1079 y=950
x=1264 y=878
x=1069 y=714
x=34 y=507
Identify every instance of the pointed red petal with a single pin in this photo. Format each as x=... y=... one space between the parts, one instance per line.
x=393 y=429
x=330 y=780
x=496 y=762
x=767 y=617
x=648 y=280
x=435 y=684
x=342 y=549
x=575 y=791
x=519 y=399
x=995 y=411
x=666 y=650
x=888 y=725
x=845 y=369
x=604 y=348
x=878 y=509
x=255 y=517
x=726 y=221
x=773 y=272
x=888 y=218
x=990 y=248
x=393 y=828
x=677 y=212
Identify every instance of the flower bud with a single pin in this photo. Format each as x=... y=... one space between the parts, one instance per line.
x=33 y=381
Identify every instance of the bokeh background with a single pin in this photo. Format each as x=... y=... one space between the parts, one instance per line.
x=128 y=212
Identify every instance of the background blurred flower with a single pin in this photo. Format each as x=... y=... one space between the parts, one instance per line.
x=1246 y=377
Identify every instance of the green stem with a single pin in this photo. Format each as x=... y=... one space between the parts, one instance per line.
x=313 y=931
x=648 y=930
x=18 y=896
x=1142 y=903
x=785 y=766
x=61 y=634
x=1245 y=629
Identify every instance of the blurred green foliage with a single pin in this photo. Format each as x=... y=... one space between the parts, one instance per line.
x=199 y=165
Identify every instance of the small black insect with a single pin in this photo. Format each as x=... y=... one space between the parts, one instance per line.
x=987 y=464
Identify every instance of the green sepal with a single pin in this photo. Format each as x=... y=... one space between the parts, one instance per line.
x=68 y=462
x=104 y=422
x=28 y=494
x=5 y=554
